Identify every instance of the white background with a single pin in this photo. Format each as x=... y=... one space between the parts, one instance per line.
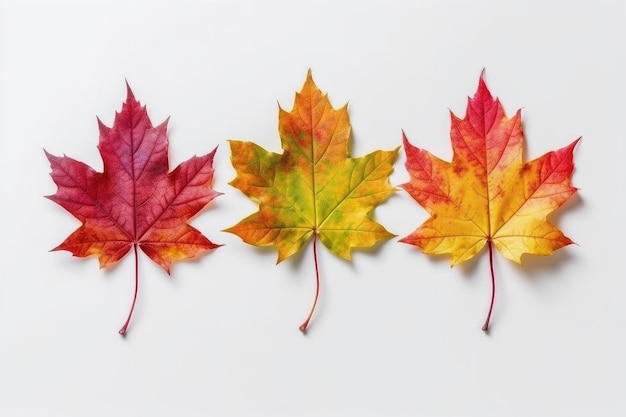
x=397 y=333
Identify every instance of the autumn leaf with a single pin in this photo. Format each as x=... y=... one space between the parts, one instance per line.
x=313 y=189
x=487 y=195
x=135 y=202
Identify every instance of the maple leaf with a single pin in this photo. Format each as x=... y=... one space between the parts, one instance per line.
x=135 y=202
x=313 y=188
x=487 y=195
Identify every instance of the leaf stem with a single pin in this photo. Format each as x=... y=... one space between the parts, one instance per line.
x=132 y=307
x=304 y=326
x=493 y=288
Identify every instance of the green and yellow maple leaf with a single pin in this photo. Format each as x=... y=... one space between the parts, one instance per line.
x=314 y=188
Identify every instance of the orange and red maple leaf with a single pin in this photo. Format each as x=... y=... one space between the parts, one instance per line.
x=135 y=202
x=487 y=195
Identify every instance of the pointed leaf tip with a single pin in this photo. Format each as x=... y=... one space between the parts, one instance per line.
x=129 y=91
x=102 y=128
x=309 y=84
x=482 y=92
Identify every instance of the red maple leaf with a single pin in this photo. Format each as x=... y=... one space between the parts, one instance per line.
x=135 y=202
